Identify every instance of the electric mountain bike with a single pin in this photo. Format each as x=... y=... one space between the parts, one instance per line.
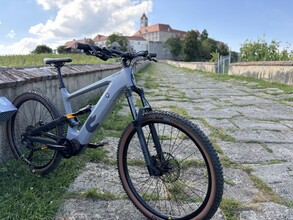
x=167 y=166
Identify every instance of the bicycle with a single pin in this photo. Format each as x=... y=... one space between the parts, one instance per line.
x=167 y=166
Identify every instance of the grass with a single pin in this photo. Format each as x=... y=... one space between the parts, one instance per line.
x=179 y=110
x=230 y=207
x=37 y=59
x=94 y=194
x=25 y=195
x=151 y=80
x=265 y=193
x=217 y=133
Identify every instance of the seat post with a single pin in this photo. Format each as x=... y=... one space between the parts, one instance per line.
x=61 y=83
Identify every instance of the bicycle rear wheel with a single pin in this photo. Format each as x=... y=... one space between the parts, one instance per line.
x=191 y=183
x=33 y=110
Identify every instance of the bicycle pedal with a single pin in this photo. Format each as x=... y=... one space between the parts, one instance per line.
x=99 y=144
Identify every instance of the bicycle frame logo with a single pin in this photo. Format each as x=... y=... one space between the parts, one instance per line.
x=91 y=128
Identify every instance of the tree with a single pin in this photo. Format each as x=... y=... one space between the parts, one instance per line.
x=175 y=46
x=208 y=46
x=223 y=49
x=61 y=49
x=260 y=50
x=204 y=35
x=121 y=40
x=42 y=49
x=191 y=46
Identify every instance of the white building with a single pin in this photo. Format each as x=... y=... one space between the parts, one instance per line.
x=136 y=43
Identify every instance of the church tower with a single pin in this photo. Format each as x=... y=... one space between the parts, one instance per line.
x=143 y=21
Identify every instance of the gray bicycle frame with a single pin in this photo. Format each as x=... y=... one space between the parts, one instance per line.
x=116 y=83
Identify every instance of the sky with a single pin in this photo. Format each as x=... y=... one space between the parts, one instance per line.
x=25 y=24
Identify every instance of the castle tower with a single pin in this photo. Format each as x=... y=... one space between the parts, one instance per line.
x=143 y=21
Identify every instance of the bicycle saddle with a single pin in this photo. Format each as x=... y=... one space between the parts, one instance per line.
x=57 y=61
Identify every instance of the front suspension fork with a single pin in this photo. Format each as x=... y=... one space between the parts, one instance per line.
x=138 y=116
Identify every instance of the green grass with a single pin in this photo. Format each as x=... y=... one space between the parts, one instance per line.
x=179 y=110
x=217 y=133
x=266 y=193
x=151 y=80
x=230 y=207
x=25 y=195
x=94 y=194
x=37 y=59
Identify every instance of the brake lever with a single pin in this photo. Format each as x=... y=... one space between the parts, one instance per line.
x=155 y=60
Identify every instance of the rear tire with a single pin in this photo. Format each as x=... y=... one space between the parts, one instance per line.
x=192 y=186
x=33 y=109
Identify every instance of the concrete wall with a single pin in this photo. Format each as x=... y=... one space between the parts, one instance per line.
x=277 y=71
x=14 y=81
x=274 y=71
x=202 y=66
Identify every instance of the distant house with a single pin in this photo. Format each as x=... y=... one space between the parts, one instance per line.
x=70 y=46
x=100 y=40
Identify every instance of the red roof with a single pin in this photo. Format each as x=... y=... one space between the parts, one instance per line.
x=156 y=28
x=100 y=37
x=135 y=38
x=103 y=38
x=72 y=44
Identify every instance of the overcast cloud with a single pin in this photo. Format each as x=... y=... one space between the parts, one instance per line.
x=78 y=19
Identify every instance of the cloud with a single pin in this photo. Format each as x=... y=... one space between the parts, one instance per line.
x=49 y=4
x=11 y=34
x=77 y=19
x=25 y=46
x=80 y=18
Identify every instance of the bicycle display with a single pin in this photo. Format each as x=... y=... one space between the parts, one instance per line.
x=167 y=165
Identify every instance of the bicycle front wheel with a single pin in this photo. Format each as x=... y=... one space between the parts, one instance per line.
x=34 y=110
x=190 y=185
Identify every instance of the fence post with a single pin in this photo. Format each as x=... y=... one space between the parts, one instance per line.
x=218 y=66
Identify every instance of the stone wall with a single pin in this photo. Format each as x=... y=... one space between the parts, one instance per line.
x=160 y=49
x=276 y=71
x=14 y=81
x=202 y=66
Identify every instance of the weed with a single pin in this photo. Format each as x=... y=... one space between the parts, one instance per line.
x=230 y=207
x=265 y=192
x=226 y=162
x=94 y=194
x=179 y=110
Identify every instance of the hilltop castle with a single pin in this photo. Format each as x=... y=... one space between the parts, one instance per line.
x=157 y=32
x=147 y=37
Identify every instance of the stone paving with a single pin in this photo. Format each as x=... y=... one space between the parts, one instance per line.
x=251 y=126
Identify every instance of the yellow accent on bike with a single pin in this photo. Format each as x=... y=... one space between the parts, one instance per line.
x=69 y=116
x=44 y=147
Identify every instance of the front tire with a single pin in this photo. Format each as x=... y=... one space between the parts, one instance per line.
x=33 y=109
x=192 y=187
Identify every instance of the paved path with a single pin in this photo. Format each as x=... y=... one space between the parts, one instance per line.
x=251 y=127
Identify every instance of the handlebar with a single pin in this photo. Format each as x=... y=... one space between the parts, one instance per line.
x=105 y=54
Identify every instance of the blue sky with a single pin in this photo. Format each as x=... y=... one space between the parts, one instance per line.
x=24 y=24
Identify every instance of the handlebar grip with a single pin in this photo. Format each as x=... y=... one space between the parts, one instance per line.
x=86 y=47
x=152 y=55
